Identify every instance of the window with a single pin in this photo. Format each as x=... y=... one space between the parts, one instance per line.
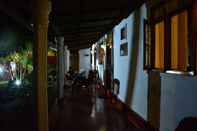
x=179 y=41
x=124 y=49
x=159 y=45
x=124 y=33
x=171 y=48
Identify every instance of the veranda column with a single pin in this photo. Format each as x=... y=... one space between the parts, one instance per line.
x=40 y=61
x=66 y=55
x=61 y=66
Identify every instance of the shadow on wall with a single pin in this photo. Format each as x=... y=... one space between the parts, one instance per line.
x=154 y=93
x=133 y=59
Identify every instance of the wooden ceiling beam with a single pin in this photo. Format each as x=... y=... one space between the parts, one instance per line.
x=90 y=14
x=82 y=32
x=84 y=24
x=87 y=29
x=79 y=47
x=89 y=11
x=68 y=32
x=102 y=18
x=81 y=39
x=84 y=19
x=81 y=36
x=76 y=43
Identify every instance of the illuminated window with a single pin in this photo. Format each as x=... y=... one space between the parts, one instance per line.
x=179 y=41
x=159 y=45
x=173 y=38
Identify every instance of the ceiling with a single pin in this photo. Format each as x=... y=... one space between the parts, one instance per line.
x=81 y=22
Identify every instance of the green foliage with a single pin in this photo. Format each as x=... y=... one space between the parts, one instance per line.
x=23 y=60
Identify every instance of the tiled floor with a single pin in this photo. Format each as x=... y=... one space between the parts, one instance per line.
x=81 y=110
x=17 y=121
x=85 y=111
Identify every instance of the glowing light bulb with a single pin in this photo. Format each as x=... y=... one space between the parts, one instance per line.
x=18 y=82
x=1 y=70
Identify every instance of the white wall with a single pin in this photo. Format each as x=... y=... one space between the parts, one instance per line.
x=84 y=60
x=178 y=100
x=122 y=65
x=178 y=92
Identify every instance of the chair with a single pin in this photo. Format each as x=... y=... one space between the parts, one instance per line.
x=187 y=124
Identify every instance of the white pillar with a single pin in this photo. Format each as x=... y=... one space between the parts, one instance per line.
x=61 y=68
x=66 y=54
x=68 y=59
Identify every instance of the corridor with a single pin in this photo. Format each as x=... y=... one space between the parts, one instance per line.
x=89 y=111
x=98 y=65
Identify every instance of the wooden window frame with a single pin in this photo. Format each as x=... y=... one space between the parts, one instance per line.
x=152 y=24
x=191 y=51
x=167 y=43
x=147 y=42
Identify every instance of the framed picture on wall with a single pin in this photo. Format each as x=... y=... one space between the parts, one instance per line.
x=124 y=49
x=101 y=55
x=123 y=34
x=147 y=45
